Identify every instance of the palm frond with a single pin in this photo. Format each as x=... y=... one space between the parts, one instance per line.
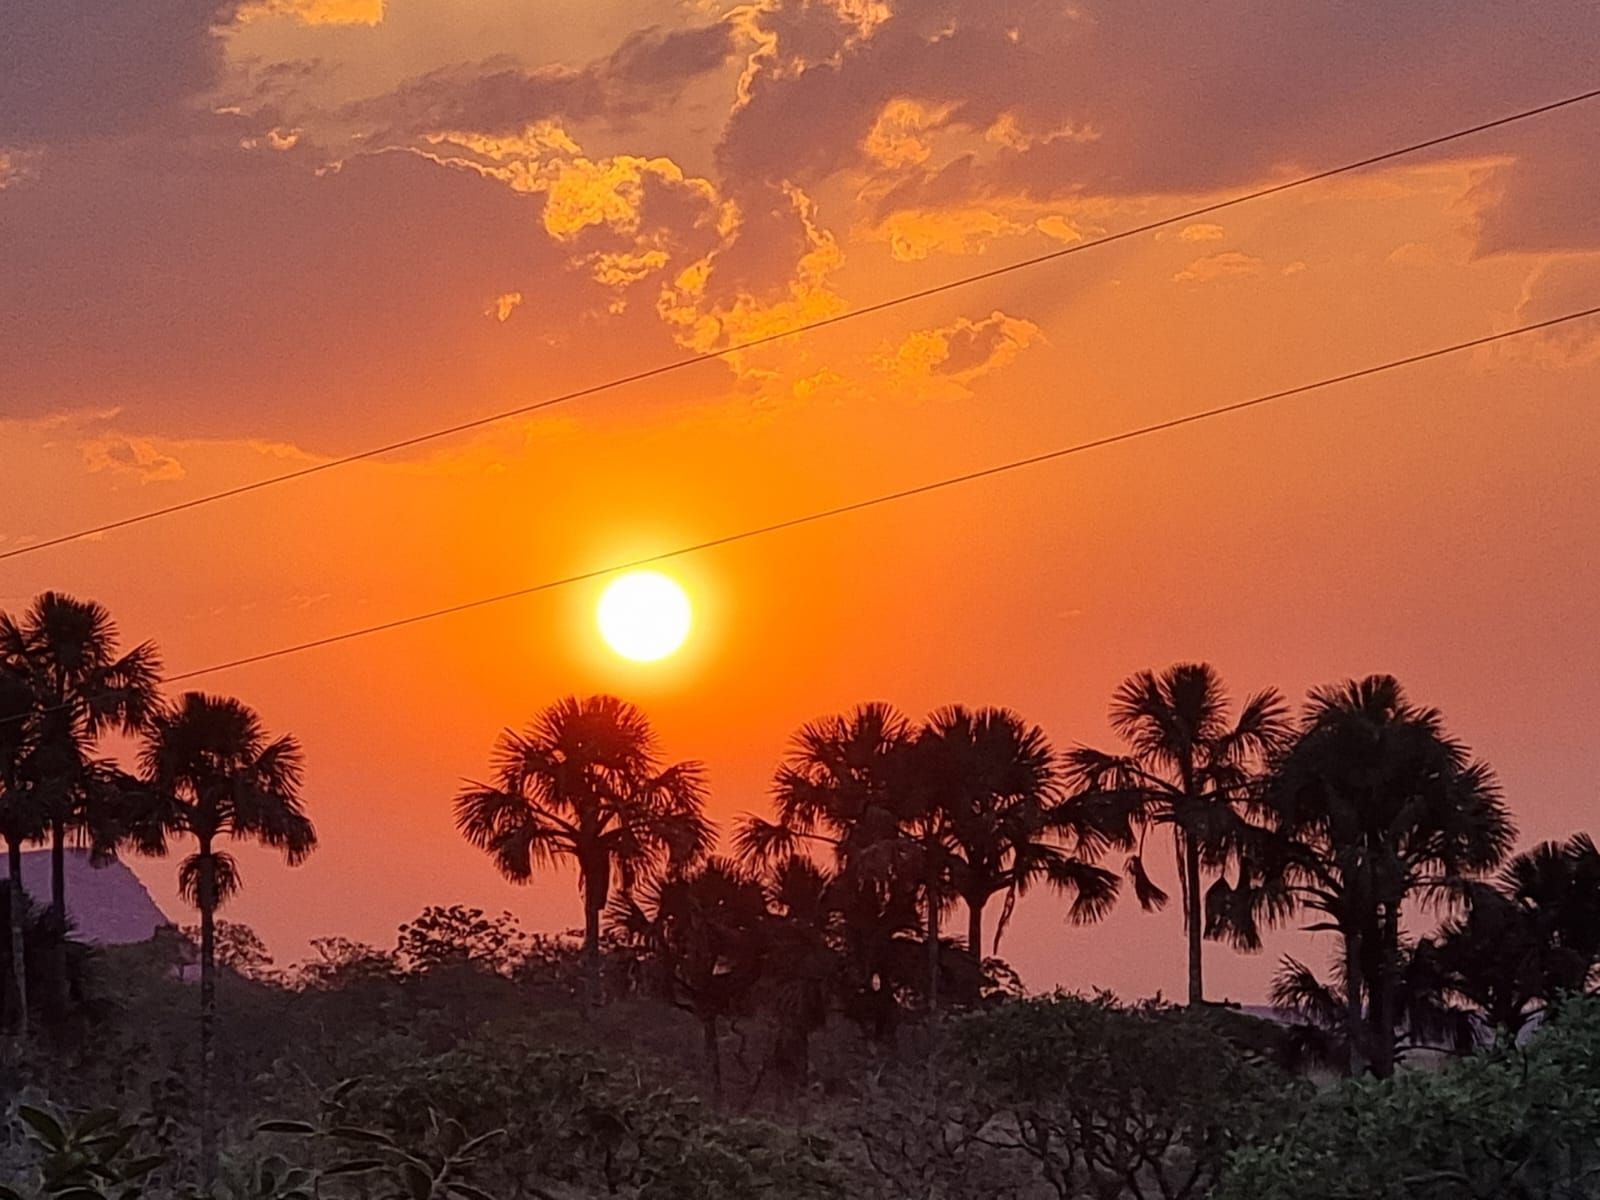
x=1150 y=896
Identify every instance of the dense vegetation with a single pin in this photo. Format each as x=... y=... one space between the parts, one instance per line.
x=793 y=1017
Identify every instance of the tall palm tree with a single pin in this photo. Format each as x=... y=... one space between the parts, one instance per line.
x=844 y=783
x=585 y=782
x=1190 y=768
x=1006 y=824
x=850 y=783
x=211 y=773
x=1371 y=805
x=20 y=822
x=80 y=688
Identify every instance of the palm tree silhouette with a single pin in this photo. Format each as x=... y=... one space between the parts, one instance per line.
x=803 y=968
x=1527 y=939
x=850 y=783
x=1006 y=824
x=1373 y=804
x=585 y=782
x=80 y=688
x=20 y=822
x=1189 y=768
x=210 y=773
x=705 y=931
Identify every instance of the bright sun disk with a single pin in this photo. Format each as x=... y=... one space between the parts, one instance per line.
x=644 y=616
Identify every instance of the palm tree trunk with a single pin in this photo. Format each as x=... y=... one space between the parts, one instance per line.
x=208 y=1015
x=975 y=929
x=1383 y=1055
x=591 y=951
x=713 y=1049
x=58 y=872
x=57 y=989
x=19 y=962
x=1194 y=918
x=1355 y=1026
x=932 y=887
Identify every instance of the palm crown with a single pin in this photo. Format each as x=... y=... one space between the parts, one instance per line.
x=211 y=773
x=585 y=782
x=997 y=782
x=1190 y=768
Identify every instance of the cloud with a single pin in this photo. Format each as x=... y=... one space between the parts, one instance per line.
x=1214 y=268
x=1559 y=286
x=500 y=97
x=962 y=351
x=1544 y=201
x=1201 y=233
x=318 y=12
x=503 y=306
x=1041 y=102
x=261 y=293
x=91 y=68
x=138 y=457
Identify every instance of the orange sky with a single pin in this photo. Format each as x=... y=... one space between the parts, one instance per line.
x=266 y=238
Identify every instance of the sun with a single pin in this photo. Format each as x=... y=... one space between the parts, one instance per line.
x=644 y=615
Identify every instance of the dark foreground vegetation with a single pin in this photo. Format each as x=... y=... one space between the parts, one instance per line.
x=795 y=1017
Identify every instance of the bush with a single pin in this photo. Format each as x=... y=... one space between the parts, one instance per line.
x=1510 y=1124
x=1112 y=1101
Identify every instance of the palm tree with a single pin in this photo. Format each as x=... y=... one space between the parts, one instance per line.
x=1525 y=940
x=80 y=688
x=705 y=931
x=210 y=772
x=803 y=968
x=845 y=783
x=1190 y=768
x=1373 y=804
x=585 y=782
x=1006 y=826
x=850 y=783
x=20 y=822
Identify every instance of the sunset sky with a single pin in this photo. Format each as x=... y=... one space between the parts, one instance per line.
x=237 y=238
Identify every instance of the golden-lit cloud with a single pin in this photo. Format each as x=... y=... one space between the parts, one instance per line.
x=898 y=139
x=1202 y=232
x=962 y=351
x=744 y=290
x=503 y=306
x=136 y=457
x=914 y=234
x=1215 y=268
x=317 y=12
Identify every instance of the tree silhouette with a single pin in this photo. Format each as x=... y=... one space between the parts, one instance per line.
x=1005 y=823
x=1189 y=768
x=585 y=782
x=20 y=821
x=80 y=687
x=211 y=774
x=849 y=783
x=1526 y=940
x=803 y=969
x=1372 y=804
x=704 y=930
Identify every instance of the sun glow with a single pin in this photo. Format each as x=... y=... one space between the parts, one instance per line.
x=644 y=616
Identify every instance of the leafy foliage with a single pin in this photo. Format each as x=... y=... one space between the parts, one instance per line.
x=1518 y=1123
x=1108 y=1101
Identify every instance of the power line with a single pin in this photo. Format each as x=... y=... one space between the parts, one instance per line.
x=890 y=497
x=808 y=327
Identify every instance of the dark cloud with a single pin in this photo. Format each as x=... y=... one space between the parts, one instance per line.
x=230 y=292
x=1149 y=98
x=85 y=68
x=501 y=97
